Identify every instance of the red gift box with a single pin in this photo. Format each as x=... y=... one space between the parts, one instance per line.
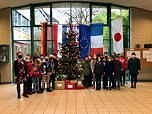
x=80 y=87
x=67 y=81
x=70 y=85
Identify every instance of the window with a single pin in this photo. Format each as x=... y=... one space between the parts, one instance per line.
x=99 y=14
x=42 y=14
x=80 y=13
x=37 y=33
x=37 y=48
x=61 y=13
x=105 y=38
x=22 y=33
x=22 y=46
x=20 y=16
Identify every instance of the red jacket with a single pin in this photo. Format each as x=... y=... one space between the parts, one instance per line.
x=123 y=61
x=29 y=68
x=37 y=71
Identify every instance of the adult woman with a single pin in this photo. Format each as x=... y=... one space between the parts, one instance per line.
x=20 y=74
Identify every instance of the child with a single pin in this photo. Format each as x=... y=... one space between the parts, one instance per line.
x=36 y=75
x=109 y=71
x=98 y=71
x=29 y=69
x=117 y=65
x=86 y=71
x=92 y=64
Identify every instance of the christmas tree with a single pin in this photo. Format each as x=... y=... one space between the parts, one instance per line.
x=70 y=54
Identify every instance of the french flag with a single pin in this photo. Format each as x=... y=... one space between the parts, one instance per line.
x=96 y=38
x=58 y=36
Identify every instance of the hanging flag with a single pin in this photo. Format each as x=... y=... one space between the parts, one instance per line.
x=76 y=31
x=59 y=37
x=43 y=39
x=84 y=40
x=96 y=38
x=117 y=35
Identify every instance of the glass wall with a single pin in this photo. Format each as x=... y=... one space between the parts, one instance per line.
x=80 y=13
x=22 y=46
x=61 y=13
x=21 y=31
x=26 y=23
x=42 y=14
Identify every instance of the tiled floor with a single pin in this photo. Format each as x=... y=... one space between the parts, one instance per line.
x=124 y=101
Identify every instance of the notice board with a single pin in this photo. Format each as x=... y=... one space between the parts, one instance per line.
x=144 y=54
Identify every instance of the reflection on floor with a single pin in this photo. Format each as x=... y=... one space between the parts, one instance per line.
x=87 y=101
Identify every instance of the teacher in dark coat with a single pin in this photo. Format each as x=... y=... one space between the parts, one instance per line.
x=134 y=68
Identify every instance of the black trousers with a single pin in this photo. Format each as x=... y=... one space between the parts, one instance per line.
x=110 y=78
x=86 y=81
x=114 y=81
x=117 y=79
x=133 y=77
x=123 y=77
x=52 y=80
x=98 y=81
x=105 y=81
x=40 y=85
x=90 y=81
x=29 y=84
x=24 y=88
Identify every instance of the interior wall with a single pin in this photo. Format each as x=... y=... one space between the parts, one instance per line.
x=5 y=38
x=141 y=24
x=141 y=33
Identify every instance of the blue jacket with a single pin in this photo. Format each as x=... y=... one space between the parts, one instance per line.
x=109 y=68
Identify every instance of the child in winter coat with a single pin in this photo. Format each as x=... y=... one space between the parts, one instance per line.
x=30 y=71
x=36 y=75
x=109 y=71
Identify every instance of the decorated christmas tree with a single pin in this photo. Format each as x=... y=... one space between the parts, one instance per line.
x=70 y=54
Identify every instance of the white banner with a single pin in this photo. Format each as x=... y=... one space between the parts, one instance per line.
x=117 y=35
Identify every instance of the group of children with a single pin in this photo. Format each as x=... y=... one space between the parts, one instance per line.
x=33 y=74
x=108 y=68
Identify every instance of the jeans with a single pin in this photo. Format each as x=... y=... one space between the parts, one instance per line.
x=45 y=78
x=36 y=84
x=118 y=77
x=123 y=77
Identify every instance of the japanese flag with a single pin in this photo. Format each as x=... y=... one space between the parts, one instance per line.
x=117 y=35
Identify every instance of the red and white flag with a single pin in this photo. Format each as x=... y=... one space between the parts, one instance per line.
x=117 y=35
x=58 y=36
